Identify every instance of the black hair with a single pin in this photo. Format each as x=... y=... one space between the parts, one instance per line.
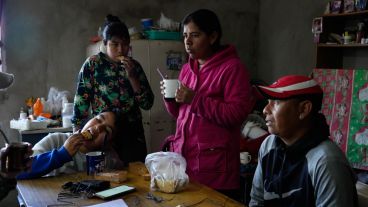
x=118 y=116
x=207 y=21
x=114 y=27
x=110 y=19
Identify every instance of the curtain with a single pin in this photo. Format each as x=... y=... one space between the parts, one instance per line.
x=345 y=105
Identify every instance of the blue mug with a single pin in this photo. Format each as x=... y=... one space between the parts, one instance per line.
x=95 y=162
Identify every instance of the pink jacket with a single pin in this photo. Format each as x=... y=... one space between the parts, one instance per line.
x=208 y=129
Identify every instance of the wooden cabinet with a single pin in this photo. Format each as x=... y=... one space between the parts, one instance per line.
x=330 y=54
x=163 y=54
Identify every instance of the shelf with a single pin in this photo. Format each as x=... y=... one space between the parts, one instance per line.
x=47 y=130
x=356 y=45
x=333 y=55
x=347 y=14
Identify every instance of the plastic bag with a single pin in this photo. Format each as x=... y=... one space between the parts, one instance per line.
x=55 y=100
x=168 y=24
x=167 y=170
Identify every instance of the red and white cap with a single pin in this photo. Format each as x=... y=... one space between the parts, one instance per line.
x=291 y=86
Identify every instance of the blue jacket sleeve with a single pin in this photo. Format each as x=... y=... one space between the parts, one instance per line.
x=44 y=163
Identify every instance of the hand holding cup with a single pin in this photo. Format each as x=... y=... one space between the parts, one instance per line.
x=15 y=158
x=184 y=94
x=168 y=88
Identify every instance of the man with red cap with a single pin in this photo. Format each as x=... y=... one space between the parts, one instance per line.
x=298 y=164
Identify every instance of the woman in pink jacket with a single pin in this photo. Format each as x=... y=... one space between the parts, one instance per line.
x=213 y=100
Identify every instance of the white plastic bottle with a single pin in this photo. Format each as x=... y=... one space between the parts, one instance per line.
x=67 y=114
x=45 y=105
x=22 y=114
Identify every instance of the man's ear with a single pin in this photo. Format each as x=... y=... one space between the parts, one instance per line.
x=305 y=108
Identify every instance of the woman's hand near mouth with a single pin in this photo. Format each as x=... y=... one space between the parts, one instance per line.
x=128 y=64
x=73 y=143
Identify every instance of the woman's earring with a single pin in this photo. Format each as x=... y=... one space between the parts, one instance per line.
x=301 y=116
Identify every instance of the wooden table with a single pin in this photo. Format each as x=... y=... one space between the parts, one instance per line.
x=44 y=192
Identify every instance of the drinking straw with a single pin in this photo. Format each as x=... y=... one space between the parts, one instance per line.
x=159 y=72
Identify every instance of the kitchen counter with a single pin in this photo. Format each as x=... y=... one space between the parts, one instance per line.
x=33 y=136
x=47 y=130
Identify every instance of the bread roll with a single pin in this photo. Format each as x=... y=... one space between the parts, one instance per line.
x=121 y=58
x=170 y=186
x=87 y=135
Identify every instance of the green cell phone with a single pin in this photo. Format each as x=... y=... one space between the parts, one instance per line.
x=112 y=192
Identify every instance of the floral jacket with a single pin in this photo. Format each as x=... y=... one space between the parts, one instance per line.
x=103 y=84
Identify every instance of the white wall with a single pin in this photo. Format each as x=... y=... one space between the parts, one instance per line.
x=285 y=44
x=45 y=40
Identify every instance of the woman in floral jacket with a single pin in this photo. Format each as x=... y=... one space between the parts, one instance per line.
x=114 y=80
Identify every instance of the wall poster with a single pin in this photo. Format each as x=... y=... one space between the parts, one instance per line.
x=345 y=105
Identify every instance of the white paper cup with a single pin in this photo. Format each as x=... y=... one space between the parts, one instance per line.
x=245 y=158
x=170 y=86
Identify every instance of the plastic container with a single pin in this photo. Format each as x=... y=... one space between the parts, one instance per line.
x=67 y=114
x=45 y=105
x=37 y=107
x=27 y=124
x=163 y=35
x=147 y=23
x=22 y=114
